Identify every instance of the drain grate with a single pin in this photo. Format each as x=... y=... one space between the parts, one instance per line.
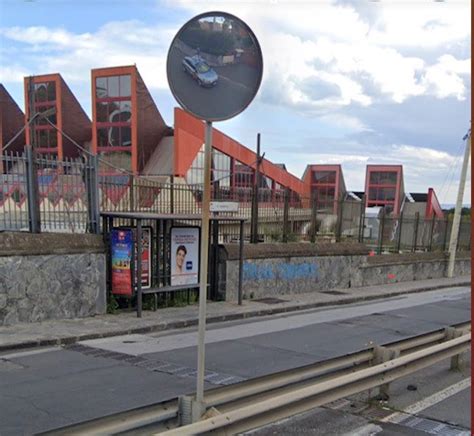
x=333 y=292
x=270 y=300
x=156 y=365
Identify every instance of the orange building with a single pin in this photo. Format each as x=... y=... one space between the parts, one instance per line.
x=12 y=119
x=233 y=164
x=126 y=124
x=128 y=132
x=50 y=92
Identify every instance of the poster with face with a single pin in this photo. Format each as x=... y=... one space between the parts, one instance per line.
x=184 y=256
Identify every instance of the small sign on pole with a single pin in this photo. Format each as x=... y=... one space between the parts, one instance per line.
x=224 y=206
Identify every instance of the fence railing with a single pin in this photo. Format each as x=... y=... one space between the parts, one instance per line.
x=38 y=193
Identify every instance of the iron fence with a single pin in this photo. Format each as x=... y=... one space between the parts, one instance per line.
x=39 y=193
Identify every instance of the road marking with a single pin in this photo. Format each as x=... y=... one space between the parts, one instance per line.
x=421 y=405
x=29 y=353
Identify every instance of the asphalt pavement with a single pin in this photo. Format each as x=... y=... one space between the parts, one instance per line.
x=58 y=332
x=45 y=388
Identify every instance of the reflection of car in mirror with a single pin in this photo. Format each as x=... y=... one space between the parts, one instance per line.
x=200 y=71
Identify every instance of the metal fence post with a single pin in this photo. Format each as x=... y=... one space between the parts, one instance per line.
x=381 y=232
x=314 y=211
x=431 y=232
x=241 y=261
x=338 y=232
x=400 y=223
x=172 y=194
x=446 y=228
x=92 y=186
x=34 y=217
x=415 y=232
x=362 y=220
x=286 y=210
x=255 y=199
x=131 y=193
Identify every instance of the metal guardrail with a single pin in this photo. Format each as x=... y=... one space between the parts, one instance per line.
x=266 y=399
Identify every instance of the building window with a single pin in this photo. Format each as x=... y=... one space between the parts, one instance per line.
x=324 y=177
x=221 y=169
x=44 y=99
x=383 y=178
x=324 y=189
x=382 y=189
x=113 y=112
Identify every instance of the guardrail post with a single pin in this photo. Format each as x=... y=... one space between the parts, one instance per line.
x=457 y=361
x=381 y=355
x=185 y=406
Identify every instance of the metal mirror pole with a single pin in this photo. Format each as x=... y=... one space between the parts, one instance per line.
x=199 y=409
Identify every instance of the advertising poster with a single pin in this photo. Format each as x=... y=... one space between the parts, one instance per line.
x=184 y=256
x=121 y=253
x=146 y=257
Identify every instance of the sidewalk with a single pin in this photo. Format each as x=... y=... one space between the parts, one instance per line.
x=59 y=332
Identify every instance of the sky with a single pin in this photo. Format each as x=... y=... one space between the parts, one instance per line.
x=349 y=82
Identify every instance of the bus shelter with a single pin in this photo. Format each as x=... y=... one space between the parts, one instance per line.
x=170 y=247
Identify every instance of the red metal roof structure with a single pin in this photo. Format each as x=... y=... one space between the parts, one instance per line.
x=325 y=183
x=12 y=119
x=432 y=205
x=237 y=165
x=50 y=91
x=384 y=187
x=126 y=124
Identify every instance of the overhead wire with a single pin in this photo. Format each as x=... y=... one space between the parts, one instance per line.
x=450 y=174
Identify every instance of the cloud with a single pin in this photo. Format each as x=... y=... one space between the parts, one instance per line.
x=445 y=79
x=352 y=46
x=75 y=54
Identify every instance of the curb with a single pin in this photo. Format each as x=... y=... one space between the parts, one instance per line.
x=215 y=319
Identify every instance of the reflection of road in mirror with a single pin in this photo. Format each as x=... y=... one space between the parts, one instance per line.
x=200 y=71
x=214 y=67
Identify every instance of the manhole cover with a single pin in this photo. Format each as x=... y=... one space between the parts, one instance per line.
x=270 y=300
x=334 y=292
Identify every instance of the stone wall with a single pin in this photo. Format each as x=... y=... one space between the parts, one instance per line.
x=272 y=270
x=394 y=268
x=279 y=269
x=51 y=276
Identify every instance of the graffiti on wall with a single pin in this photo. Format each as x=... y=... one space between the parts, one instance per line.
x=280 y=271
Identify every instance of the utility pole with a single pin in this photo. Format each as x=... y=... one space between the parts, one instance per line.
x=256 y=186
x=453 y=241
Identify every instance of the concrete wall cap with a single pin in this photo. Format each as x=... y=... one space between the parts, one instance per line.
x=31 y=244
x=295 y=249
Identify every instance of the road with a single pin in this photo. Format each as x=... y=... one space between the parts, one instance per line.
x=234 y=90
x=46 y=388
